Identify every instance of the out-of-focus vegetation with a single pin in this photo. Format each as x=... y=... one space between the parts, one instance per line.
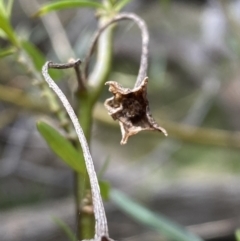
x=194 y=92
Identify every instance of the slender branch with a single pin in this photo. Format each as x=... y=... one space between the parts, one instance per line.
x=81 y=83
x=81 y=87
x=145 y=40
x=71 y=64
x=101 y=228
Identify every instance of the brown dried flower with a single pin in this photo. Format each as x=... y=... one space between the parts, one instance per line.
x=131 y=108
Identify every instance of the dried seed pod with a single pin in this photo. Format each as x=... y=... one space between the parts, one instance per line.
x=131 y=108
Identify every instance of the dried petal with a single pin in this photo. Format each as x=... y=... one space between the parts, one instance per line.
x=131 y=109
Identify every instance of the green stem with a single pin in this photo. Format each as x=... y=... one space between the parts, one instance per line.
x=102 y=67
x=98 y=77
x=85 y=219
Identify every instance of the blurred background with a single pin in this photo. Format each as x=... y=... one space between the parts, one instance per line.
x=192 y=176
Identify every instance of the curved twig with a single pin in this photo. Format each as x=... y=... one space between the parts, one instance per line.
x=145 y=40
x=101 y=227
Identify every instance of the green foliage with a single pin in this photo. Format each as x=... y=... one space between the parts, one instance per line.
x=157 y=222
x=6 y=8
x=66 y=229
x=112 y=2
x=62 y=147
x=7 y=51
x=104 y=189
x=104 y=186
x=7 y=29
x=2 y=8
x=121 y=4
x=104 y=168
x=62 y=5
x=9 y=7
x=237 y=235
x=36 y=56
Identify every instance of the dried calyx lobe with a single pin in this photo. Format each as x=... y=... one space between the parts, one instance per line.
x=131 y=108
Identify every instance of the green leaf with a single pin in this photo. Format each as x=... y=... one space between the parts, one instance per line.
x=121 y=4
x=62 y=147
x=7 y=51
x=111 y=2
x=67 y=4
x=3 y=34
x=66 y=229
x=237 y=235
x=104 y=167
x=2 y=8
x=7 y=28
x=104 y=189
x=9 y=7
x=155 y=221
x=38 y=58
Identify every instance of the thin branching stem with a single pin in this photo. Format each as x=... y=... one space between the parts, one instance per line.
x=71 y=64
x=101 y=228
x=81 y=84
x=145 y=41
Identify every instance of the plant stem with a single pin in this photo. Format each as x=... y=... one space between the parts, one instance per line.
x=85 y=222
x=101 y=228
x=102 y=66
x=87 y=100
x=144 y=57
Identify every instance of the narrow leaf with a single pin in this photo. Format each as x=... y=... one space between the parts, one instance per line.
x=104 y=167
x=38 y=58
x=66 y=229
x=67 y=4
x=62 y=147
x=2 y=8
x=3 y=34
x=155 y=221
x=7 y=28
x=121 y=4
x=9 y=7
x=104 y=189
x=111 y=2
x=237 y=235
x=7 y=51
